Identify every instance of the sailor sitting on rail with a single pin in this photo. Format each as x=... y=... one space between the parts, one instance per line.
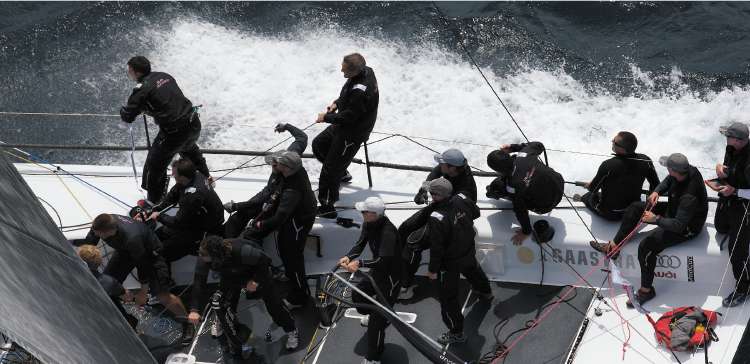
x=679 y=219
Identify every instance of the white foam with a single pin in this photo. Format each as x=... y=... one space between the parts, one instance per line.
x=248 y=82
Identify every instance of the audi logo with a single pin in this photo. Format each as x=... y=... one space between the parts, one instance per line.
x=668 y=261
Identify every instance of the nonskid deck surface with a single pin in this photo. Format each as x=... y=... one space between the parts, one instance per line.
x=512 y=308
x=692 y=273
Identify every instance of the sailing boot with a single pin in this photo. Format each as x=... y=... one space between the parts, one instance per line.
x=188 y=333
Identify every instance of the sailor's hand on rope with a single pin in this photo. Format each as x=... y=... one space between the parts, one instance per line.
x=154 y=215
x=280 y=128
x=727 y=190
x=653 y=198
x=505 y=148
x=125 y=115
x=321 y=118
x=721 y=170
x=432 y=275
x=211 y=181
x=343 y=262
x=194 y=317
x=331 y=108
x=421 y=197
x=519 y=237
x=352 y=266
x=649 y=217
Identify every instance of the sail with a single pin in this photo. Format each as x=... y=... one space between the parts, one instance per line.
x=50 y=304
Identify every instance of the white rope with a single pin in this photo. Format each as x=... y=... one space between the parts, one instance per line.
x=731 y=253
x=132 y=161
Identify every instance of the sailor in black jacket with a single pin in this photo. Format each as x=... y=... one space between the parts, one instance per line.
x=287 y=205
x=450 y=230
x=453 y=166
x=200 y=212
x=137 y=246
x=679 y=219
x=158 y=95
x=352 y=118
x=385 y=268
x=730 y=217
x=526 y=181
x=241 y=263
x=619 y=180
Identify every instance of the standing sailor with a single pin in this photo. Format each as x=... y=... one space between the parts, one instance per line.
x=137 y=246
x=732 y=210
x=450 y=230
x=352 y=117
x=526 y=181
x=157 y=95
x=453 y=166
x=385 y=268
x=241 y=263
x=200 y=212
x=287 y=205
x=679 y=219
x=619 y=180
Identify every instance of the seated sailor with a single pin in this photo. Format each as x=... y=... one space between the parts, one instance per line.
x=679 y=219
x=619 y=180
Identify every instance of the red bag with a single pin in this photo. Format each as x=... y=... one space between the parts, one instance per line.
x=701 y=335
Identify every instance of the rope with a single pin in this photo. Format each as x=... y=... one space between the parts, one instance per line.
x=132 y=162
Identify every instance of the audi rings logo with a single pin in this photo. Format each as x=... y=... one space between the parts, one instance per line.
x=668 y=261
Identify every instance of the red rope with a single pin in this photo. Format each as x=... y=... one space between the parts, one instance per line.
x=570 y=289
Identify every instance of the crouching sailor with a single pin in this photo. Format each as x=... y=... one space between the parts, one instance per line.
x=200 y=213
x=385 y=268
x=137 y=246
x=679 y=219
x=450 y=231
x=526 y=181
x=241 y=263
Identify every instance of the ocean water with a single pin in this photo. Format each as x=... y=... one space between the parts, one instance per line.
x=571 y=74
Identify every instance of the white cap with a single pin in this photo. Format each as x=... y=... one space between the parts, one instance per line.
x=371 y=204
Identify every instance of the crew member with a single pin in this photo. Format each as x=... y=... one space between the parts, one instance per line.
x=450 y=230
x=731 y=211
x=157 y=95
x=619 y=180
x=137 y=246
x=452 y=165
x=352 y=117
x=287 y=205
x=200 y=212
x=679 y=219
x=241 y=263
x=385 y=268
x=526 y=181
x=91 y=255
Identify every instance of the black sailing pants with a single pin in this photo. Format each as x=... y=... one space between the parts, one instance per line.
x=237 y=222
x=333 y=149
x=592 y=200
x=739 y=238
x=653 y=244
x=450 y=307
x=231 y=284
x=377 y=323
x=290 y=243
x=165 y=146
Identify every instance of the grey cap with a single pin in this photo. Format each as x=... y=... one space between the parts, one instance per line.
x=440 y=187
x=736 y=130
x=451 y=156
x=286 y=158
x=676 y=161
